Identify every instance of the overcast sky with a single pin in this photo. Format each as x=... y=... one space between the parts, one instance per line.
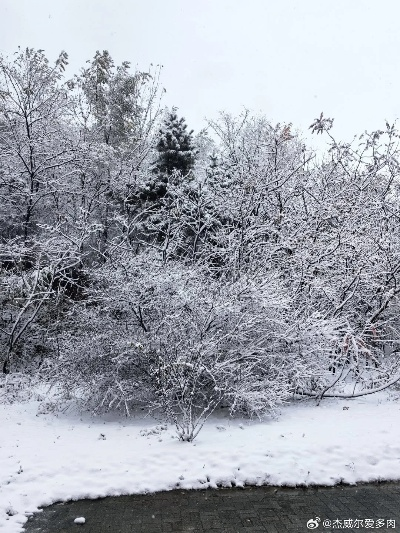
x=289 y=59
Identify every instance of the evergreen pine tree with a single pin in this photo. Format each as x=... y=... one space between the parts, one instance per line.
x=175 y=146
x=176 y=155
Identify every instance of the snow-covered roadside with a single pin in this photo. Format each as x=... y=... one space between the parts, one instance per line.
x=46 y=458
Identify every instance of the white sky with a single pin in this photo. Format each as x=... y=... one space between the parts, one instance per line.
x=290 y=59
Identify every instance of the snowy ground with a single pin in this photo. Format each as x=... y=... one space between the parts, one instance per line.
x=46 y=458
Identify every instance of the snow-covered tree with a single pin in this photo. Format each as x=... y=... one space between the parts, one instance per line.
x=175 y=156
x=118 y=105
x=175 y=147
x=37 y=145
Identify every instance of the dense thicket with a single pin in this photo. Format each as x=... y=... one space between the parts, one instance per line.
x=140 y=264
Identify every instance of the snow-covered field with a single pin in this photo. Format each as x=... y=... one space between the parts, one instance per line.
x=46 y=458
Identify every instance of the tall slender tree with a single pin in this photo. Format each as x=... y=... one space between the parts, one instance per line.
x=36 y=146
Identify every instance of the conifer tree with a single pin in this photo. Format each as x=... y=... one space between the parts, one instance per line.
x=175 y=146
x=176 y=155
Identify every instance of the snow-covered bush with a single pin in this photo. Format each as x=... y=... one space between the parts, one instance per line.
x=171 y=338
x=16 y=387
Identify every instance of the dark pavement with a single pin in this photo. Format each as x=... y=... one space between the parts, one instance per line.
x=372 y=507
